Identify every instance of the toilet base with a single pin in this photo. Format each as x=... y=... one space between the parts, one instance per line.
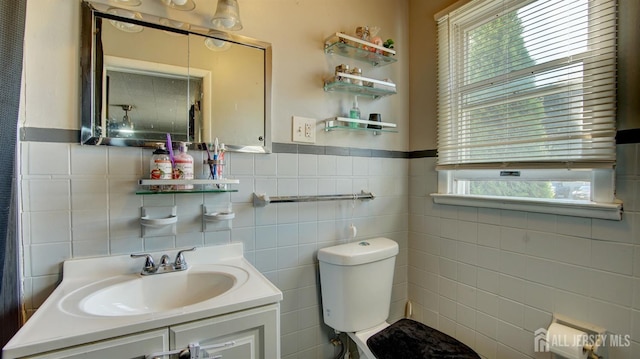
x=408 y=339
x=361 y=337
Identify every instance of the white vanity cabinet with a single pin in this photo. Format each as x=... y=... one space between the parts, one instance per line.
x=248 y=334
x=251 y=334
x=131 y=346
x=220 y=298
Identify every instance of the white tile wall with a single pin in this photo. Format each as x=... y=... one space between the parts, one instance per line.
x=488 y=277
x=80 y=201
x=491 y=278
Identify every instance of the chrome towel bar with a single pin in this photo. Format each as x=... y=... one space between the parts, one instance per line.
x=261 y=200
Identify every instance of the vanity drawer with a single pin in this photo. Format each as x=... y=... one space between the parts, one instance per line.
x=254 y=334
x=132 y=346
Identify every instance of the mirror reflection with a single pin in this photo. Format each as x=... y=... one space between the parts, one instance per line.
x=146 y=85
x=148 y=105
x=151 y=79
x=233 y=78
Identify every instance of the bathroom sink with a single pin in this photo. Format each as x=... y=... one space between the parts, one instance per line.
x=134 y=294
x=102 y=298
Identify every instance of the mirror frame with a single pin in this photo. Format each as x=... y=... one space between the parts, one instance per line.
x=91 y=67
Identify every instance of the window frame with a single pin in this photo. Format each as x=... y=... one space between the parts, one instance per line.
x=601 y=177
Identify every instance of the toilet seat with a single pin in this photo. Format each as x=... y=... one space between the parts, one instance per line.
x=409 y=339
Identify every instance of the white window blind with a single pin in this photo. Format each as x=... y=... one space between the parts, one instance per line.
x=527 y=84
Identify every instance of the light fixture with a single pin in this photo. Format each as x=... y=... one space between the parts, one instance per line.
x=127 y=2
x=125 y=26
x=124 y=128
x=184 y=5
x=174 y=24
x=216 y=44
x=227 y=16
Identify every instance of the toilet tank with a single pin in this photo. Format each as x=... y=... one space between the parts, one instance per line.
x=356 y=281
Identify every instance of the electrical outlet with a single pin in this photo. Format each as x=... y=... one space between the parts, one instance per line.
x=304 y=129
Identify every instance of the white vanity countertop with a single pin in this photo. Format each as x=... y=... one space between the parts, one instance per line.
x=52 y=328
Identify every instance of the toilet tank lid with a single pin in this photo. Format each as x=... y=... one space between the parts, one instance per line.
x=359 y=252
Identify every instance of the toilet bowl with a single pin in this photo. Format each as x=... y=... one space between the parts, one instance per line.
x=356 y=280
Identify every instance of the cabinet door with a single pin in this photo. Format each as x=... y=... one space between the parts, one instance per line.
x=255 y=334
x=129 y=347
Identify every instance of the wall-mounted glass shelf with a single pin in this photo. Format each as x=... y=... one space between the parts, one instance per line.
x=357 y=49
x=152 y=186
x=351 y=124
x=176 y=191
x=370 y=87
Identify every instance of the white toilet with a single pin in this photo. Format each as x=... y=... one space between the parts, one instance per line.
x=356 y=280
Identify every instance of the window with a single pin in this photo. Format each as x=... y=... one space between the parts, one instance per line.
x=527 y=98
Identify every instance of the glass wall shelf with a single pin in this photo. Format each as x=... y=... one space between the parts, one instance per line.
x=351 y=124
x=151 y=186
x=357 y=49
x=371 y=88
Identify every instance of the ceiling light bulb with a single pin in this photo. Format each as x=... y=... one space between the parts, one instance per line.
x=227 y=23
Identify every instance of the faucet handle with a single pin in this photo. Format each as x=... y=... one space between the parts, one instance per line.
x=164 y=261
x=149 y=264
x=180 y=263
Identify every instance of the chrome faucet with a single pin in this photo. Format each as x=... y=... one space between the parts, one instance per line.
x=165 y=266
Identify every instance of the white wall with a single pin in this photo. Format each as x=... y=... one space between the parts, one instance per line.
x=491 y=278
x=79 y=200
x=423 y=67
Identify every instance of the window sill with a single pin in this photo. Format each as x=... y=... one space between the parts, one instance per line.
x=610 y=211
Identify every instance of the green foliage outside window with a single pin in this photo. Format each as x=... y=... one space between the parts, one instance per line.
x=496 y=48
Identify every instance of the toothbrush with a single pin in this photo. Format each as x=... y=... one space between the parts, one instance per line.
x=170 y=148
x=215 y=159
x=221 y=151
x=209 y=159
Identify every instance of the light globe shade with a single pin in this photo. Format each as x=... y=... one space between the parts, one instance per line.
x=125 y=26
x=216 y=44
x=127 y=2
x=183 y=5
x=227 y=16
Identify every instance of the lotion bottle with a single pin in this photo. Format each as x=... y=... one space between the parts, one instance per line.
x=184 y=166
x=160 y=165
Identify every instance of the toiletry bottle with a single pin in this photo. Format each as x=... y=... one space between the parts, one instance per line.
x=160 y=165
x=354 y=113
x=184 y=166
x=221 y=165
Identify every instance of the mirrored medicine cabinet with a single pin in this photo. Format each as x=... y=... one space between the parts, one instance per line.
x=144 y=76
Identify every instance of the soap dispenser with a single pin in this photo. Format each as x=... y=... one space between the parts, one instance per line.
x=184 y=166
x=160 y=165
